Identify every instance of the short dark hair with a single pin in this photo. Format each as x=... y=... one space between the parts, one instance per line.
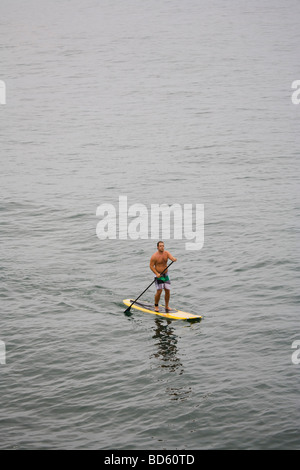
x=159 y=243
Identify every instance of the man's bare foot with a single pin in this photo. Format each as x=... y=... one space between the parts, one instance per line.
x=168 y=308
x=156 y=308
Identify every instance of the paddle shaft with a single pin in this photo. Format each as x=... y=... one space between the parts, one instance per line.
x=128 y=309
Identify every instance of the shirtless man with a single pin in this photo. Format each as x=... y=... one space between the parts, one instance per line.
x=158 y=263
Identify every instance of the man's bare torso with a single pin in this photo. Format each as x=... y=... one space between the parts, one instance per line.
x=160 y=261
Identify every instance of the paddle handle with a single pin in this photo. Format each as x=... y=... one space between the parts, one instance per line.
x=148 y=287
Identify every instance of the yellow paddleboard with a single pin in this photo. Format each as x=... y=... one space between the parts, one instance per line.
x=173 y=314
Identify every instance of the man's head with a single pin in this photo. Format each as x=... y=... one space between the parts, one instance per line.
x=160 y=246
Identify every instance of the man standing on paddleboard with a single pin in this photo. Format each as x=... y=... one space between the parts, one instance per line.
x=158 y=264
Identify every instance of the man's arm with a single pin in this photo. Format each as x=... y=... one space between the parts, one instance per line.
x=171 y=257
x=152 y=266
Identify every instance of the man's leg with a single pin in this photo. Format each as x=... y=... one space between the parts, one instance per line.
x=157 y=297
x=167 y=298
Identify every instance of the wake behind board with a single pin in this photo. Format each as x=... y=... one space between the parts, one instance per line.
x=173 y=314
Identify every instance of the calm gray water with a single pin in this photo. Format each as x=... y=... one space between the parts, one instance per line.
x=162 y=102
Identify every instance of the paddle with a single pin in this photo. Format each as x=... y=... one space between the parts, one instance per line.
x=128 y=309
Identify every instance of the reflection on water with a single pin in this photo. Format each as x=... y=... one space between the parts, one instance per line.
x=180 y=393
x=166 y=346
x=167 y=353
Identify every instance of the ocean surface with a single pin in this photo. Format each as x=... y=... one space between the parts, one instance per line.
x=163 y=102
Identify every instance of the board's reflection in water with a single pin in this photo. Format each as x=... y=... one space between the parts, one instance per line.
x=168 y=359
